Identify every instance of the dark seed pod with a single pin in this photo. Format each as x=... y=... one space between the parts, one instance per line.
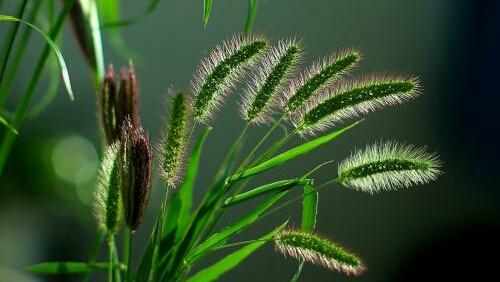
x=135 y=172
x=116 y=103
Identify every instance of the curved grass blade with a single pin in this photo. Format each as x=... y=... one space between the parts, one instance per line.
x=280 y=185
x=221 y=237
x=290 y=154
x=309 y=214
x=253 y=5
x=207 y=7
x=4 y=122
x=213 y=272
x=69 y=267
x=145 y=265
x=53 y=46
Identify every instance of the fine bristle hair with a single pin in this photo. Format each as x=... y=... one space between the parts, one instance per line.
x=107 y=199
x=268 y=80
x=219 y=72
x=352 y=99
x=388 y=166
x=316 y=250
x=172 y=148
x=321 y=74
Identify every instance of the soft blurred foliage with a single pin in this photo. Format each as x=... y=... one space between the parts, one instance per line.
x=442 y=230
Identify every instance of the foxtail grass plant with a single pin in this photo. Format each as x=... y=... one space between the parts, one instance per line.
x=317 y=101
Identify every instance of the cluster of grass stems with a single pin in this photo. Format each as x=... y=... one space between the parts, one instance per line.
x=318 y=99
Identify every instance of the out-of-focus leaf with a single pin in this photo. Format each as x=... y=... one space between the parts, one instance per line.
x=213 y=272
x=4 y=122
x=53 y=46
x=68 y=267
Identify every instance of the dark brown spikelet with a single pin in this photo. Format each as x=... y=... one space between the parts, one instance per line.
x=82 y=31
x=118 y=102
x=135 y=172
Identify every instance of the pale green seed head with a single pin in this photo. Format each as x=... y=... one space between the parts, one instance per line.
x=268 y=80
x=388 y=166
x=319 y=76
x=316 y=250
x=173 y=146
x=107 y=203
x=219 y=72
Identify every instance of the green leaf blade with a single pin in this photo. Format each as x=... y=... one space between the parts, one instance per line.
x=207 y=7
x=253 y=5
x=67 y=267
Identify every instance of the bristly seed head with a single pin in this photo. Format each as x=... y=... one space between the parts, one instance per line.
x=173 y=145
x=116 y=103
x=268 y=80
x=388 y=166
x=319 y=76
x=219 y=72
x=108 y=206
x=316 y=250
x=134 y=167
x=353 y=99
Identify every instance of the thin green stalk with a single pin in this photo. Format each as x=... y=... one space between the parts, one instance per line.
x=94 y=252
x=10 y=137
x=11 y=38
x=240 y=243
x=127 y=252
x=111 y=258
x=19 y=55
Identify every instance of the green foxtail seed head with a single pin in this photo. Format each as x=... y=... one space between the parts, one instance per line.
x=316 y=78
x=268 y=80
x=219 y=72
x=173 y=145
x=116 y=103
x=134 y=167
x=316 y=250
x=108 y=206
x=354 y=99
x=388 y=166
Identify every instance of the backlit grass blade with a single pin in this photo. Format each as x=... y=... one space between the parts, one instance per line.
x=53 y=46
x=309 y=214
x=253 y=5
x=146 y=263
x=215 y=271
x=124 y=22
x=277 y=186
x=290 y=154
x=221 y=237
x=68 y=267
x=4 y=122
x=207 y=6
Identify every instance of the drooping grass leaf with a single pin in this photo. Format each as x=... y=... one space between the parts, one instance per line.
x=253 y=5
x=4 y=122
x=68 y=267
x=280 y=185
x=309 y=213
x=221 y=237
x=213 y=272
x=124 y=22
x=145 y=265
x=53 y=46
x=290 y=154
x=207 y=6
x=179 y=207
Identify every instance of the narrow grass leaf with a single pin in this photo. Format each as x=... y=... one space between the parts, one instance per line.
x=53 y=46
x=221 y=237
x=215 y=271
x=145 y=265
x=253 y=6
x=207 y=7
x=290 y=154
x=67 y=267
x=4 y=122
x=277 y=186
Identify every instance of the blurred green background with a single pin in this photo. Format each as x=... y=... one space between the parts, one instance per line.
x=443 y=230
